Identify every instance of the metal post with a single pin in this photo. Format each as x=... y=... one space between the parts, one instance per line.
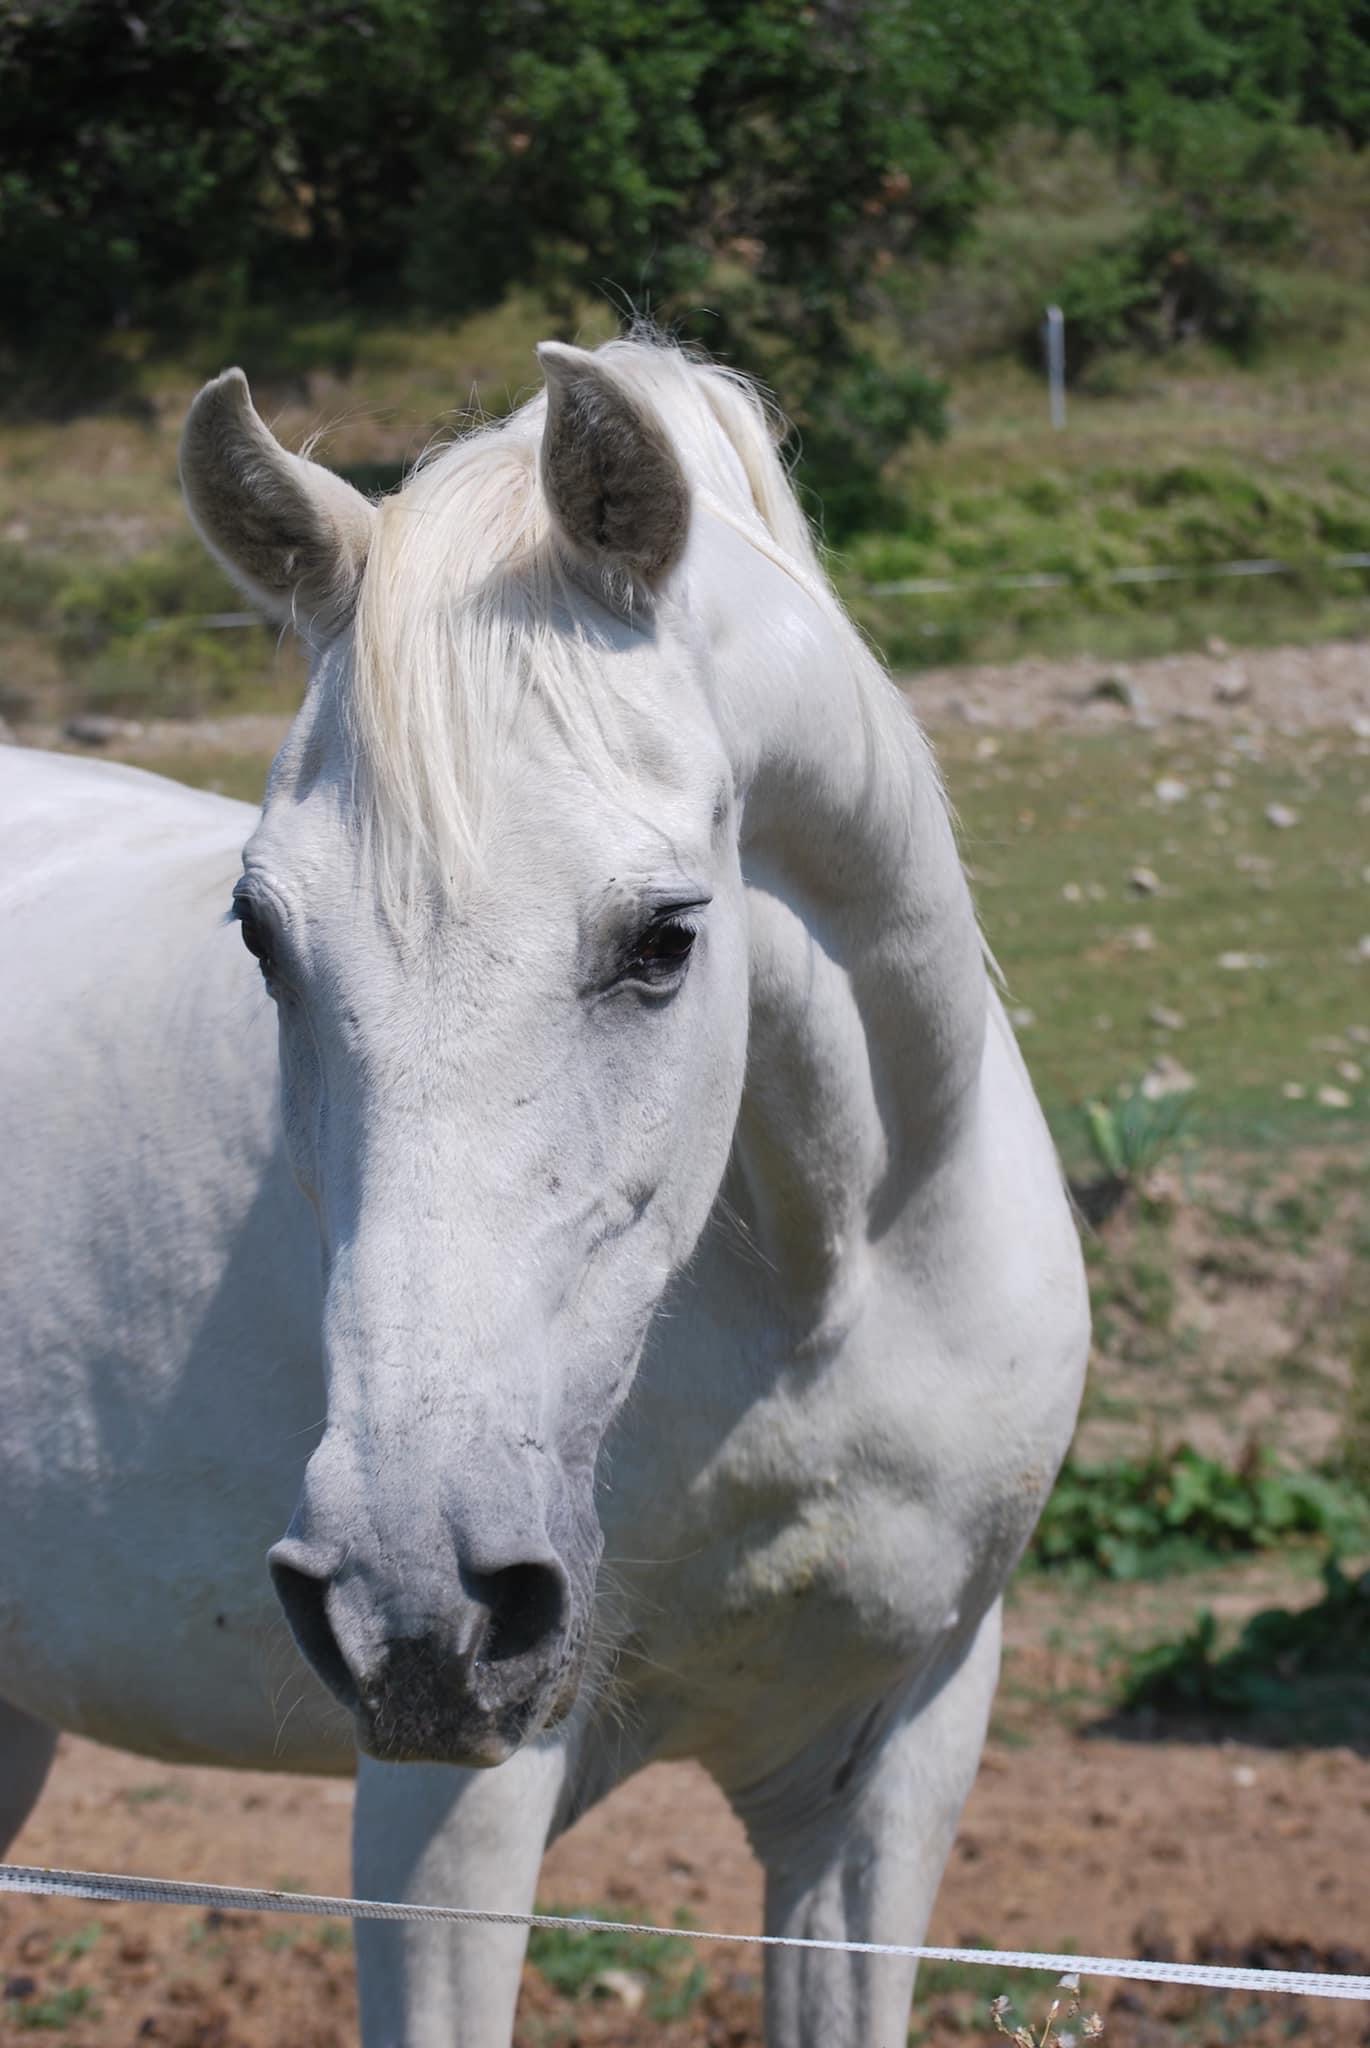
x=1054 y=336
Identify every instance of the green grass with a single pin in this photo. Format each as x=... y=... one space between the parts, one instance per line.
x=570 y=1959
x=59 y=2009
x=1053 y=811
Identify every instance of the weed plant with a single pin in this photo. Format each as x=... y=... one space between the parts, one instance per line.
x=1146 y=1517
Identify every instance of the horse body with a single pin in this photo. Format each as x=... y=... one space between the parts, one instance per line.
x=843 y=1301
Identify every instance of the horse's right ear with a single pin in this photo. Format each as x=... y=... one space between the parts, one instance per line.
x=291 y=534
x=612 y=479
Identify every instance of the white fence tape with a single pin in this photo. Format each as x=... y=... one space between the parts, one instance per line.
x=105 y=1889
x=1155 y=572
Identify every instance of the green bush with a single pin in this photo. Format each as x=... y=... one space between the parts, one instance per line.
x=1222 y=183
x=1141 y=1518
x=1309 y=1667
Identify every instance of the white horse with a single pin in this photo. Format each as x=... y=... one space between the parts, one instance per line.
x=655 y=1321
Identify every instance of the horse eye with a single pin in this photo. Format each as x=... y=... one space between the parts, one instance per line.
x=662 y=948
x=253 y=931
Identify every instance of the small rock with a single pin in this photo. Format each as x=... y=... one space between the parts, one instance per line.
x=1170 y=790
x=1165 y=1076
x=622 y=1986
x=1165 y=1019
x=1347 y=1070
x=1360 y=728
x=1139 y=938
x=1359 y=1034
x=1280 y=816
x=1218 y=648
x=1116 y=688
x=1241 y=963
x=1363 y=947
x=1022 y=1019
x=1071 y=892
x=1333 y=1098
x=1144 y=881
x=92 y=730
x=1243 y=1775
x=986 y=749
x=1222 y=779
x=20 y=1987
x=1293 y=1091
x=1231 y=685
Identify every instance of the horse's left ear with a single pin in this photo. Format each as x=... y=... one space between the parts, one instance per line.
x=616 y=490
x=290 y=533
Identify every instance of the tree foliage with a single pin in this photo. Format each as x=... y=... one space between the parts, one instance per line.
x=434 y=152
x=759 y=171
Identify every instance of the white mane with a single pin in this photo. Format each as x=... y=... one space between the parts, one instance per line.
x=466 y=604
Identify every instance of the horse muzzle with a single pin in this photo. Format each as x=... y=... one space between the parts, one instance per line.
x=458 y=1673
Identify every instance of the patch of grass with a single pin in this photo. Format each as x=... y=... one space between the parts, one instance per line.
x=151 y=1794
x=227 y=774
x=81 y=1943
x=570 y=1959
x=1252 y=937
x=60 y=2009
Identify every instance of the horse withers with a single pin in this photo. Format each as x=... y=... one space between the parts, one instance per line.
x=548 y=1259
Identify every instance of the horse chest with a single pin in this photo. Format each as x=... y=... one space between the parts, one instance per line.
x=831 y=1537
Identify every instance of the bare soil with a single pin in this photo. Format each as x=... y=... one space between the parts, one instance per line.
x=1104 y=1843
x=1291 y=690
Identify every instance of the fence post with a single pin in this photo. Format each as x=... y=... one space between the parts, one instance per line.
x=1054 y=338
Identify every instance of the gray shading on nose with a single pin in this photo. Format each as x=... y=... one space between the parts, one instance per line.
x=463 y=1684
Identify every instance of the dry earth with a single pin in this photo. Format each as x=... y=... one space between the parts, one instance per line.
x=1291 y=690
x=1097 y=1845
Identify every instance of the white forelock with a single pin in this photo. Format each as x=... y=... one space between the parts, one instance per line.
x=467 y=605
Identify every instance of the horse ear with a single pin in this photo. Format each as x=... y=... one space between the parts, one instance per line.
x=293 y=536
x=616 y=490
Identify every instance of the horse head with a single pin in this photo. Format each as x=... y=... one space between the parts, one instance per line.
x=496 y=898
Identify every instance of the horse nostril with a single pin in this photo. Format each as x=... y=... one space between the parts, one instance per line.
x=304 y=1598
x=525 y=1603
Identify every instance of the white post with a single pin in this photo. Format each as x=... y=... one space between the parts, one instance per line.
x=1054 y=334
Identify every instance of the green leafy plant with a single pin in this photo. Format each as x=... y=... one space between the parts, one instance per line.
x=1141 y=1518
x=1129 y=1136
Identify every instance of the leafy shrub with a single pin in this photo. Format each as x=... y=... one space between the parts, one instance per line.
x=1309 y=1665
x=1141 y=1518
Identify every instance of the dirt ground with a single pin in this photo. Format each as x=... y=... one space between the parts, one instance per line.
x=1075 y=1839
x=1320 y=688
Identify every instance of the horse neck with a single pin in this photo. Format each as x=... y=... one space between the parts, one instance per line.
x=869 y=989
